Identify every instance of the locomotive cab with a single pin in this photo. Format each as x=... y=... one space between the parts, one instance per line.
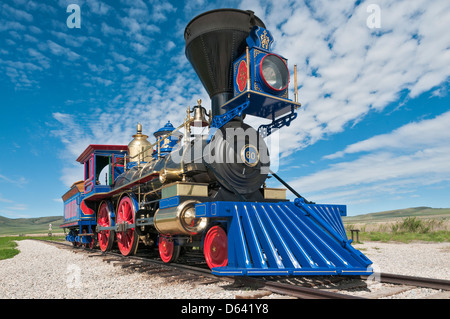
x=101 y=158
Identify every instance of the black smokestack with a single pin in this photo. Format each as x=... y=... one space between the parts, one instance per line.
x=214 y=39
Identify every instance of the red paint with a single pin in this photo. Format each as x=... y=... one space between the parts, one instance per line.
x=216 y=247
x=104 y=221
x=262 y=75
x=241 y=78
x=127 y=240
x=166 y=248
x=86 y=210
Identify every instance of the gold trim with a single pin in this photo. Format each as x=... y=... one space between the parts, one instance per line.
x=298 y=104
x=247 y=56
x=184 y=189
x=295 y=83
x=274 y=193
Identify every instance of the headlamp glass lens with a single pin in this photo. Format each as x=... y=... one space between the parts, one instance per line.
x=275 y=72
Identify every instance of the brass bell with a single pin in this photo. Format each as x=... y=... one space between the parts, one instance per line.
x=199 y=118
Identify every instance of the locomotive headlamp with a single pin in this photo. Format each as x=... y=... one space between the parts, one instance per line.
x=191 y=223
x=180 y=219
x=260 y=71
x=274 y=72
x=189 y=217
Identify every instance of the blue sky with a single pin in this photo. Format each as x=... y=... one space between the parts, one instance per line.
x=372 y=133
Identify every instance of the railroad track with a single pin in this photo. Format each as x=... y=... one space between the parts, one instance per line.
x=316 y=287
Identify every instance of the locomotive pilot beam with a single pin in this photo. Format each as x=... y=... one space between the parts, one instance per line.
x=190 y=191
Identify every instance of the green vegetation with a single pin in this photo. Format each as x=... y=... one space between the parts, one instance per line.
x=393 y=215
x=439 y=236
x=16 y=226
x=12 y=230
x=8 y=244
x=8 y=247
x=412 y=224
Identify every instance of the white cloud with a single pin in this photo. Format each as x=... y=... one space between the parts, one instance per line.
x=39 y=57
x=402 y=161
x=139 y=101
x=16 y=14
x=123 y=68
x=160 y=10
x=98 y=7
x=170 y=45
x=59 y=50
x=411 y=136
x=17 y=207
x=5 y=200
x=17 y=181
x=15 y=211
x=108 y=30
x=430 y=163
x=346 y=69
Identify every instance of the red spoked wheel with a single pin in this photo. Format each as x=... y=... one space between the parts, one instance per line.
x=105 y=237
x=168 y=251
x=215 y=247
x=126 y=240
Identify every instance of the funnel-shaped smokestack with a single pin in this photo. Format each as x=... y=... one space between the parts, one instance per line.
x=214 y=40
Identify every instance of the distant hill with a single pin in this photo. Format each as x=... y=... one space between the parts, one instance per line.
x=17 y=226
x=10 y=226
x=391 y=215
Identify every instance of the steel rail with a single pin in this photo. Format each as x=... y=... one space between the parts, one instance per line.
x=304 y=292
x=413 y=281
x=275 y=287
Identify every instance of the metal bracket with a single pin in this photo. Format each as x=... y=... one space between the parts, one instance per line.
x=220 y=120
x=144 y=222
x=266 y=130
x=123 y=227
x=101 y=228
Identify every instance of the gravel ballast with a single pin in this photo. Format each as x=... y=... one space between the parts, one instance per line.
x=430 y=260
x=41 y=270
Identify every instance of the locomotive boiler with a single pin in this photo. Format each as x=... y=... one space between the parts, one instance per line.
x=190 y=191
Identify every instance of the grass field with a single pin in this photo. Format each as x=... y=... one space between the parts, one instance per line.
x=394 y=215
x=404 y=225
x=17 y=226
x=8 y=244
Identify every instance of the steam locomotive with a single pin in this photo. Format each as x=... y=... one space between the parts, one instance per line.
x=191 y=192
